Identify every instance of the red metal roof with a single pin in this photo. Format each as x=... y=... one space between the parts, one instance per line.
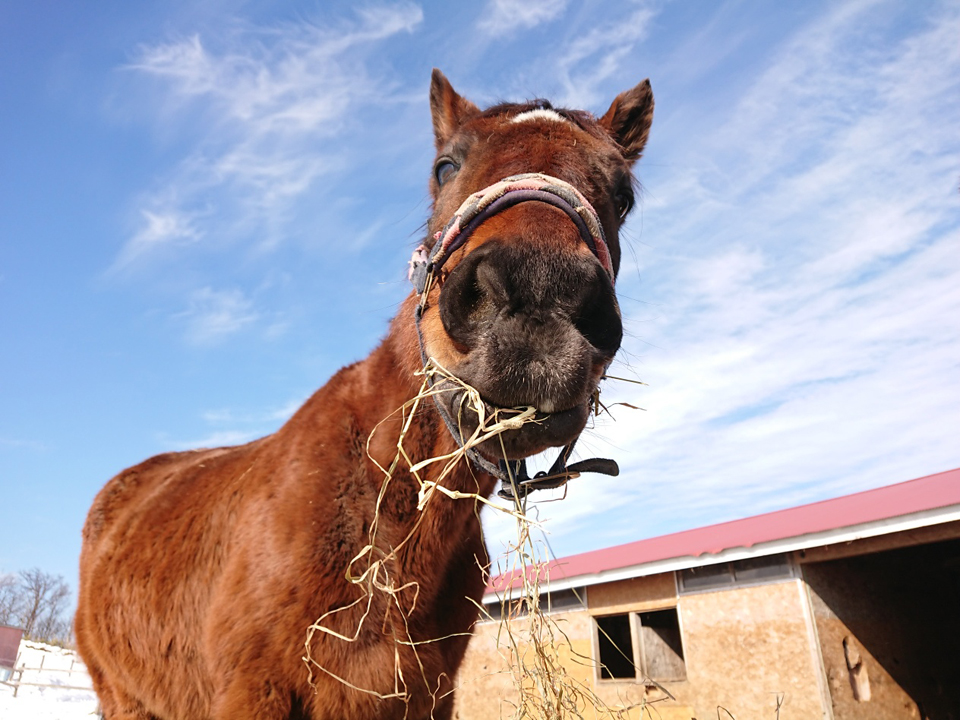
x=927 y=493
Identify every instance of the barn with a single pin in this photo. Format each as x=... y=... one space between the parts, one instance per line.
x=841 y=609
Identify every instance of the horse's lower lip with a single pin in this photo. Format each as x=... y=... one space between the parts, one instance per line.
x=544 y=430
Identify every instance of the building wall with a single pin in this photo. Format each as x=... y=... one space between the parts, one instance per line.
x=637 y=594
x=743 y=648
x=747 y=647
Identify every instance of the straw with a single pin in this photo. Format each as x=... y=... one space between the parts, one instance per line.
x=530 y=641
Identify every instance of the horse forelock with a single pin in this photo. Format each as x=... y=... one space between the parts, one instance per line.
x=538 y=114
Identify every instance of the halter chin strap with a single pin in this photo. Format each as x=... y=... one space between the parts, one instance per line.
x=427 y=262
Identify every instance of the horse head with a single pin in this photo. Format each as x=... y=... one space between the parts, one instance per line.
x=517 y=276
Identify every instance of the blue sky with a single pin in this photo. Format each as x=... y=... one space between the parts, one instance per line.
x=207 y=209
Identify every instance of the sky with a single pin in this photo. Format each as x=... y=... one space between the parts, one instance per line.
x=207 y=209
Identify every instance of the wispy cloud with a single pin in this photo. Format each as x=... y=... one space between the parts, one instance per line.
x=220 y=438
x=257 y=108
x=231 y=426
x=228 y=416
x=18 y=444
x=158 y=230
x=214 y=315
x=599 y=54
x=591 y=49
x=502 y=18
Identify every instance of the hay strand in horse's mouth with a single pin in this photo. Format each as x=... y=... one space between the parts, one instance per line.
x=530 y=640
x=607 y=376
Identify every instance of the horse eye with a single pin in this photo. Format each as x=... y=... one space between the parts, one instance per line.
x=444 y=170
x=624 y=203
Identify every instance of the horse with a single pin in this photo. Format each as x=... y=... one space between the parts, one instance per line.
x=209 y=577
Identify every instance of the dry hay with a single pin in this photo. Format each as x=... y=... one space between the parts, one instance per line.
x=529 y=639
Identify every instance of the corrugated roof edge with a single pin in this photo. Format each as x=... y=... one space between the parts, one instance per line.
x=925 y=501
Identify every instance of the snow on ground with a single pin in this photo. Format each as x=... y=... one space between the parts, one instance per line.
x=48 y=665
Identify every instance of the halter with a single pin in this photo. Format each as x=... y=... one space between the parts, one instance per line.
x=427 y=262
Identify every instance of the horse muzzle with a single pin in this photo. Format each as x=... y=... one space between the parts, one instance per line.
x=534 y=319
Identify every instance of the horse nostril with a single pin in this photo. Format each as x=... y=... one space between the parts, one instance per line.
x=491 y=283
x=598 y=315
x=467 y=296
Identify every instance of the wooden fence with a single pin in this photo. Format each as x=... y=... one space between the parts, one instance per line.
x=16 y=680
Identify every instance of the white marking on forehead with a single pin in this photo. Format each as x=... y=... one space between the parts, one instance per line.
x=538 y=114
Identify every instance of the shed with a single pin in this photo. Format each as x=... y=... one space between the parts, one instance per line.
x=841 y=609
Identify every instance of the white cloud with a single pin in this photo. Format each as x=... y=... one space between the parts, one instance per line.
x=17 y=444
x=221 y=438
x=269 y=417
x=590 y=57
x=289 y=78
x=233 y=427
x=159 y=230
x=599 y=54
x=256 y=110
x=216 y=314
x=811 y=352
x=505 y=17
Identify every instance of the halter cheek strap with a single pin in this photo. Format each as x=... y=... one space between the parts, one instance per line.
x=426 y=263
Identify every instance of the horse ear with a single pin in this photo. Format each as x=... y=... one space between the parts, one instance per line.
x=449 y=110
x=628 y=119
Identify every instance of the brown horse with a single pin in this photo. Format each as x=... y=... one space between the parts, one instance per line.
x=201 y=572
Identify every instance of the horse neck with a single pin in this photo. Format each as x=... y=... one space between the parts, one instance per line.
x=428 y=533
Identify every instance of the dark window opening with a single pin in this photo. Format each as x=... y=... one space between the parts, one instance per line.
x=616 y=647
x=640 y=646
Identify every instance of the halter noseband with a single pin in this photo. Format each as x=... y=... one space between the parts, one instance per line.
x=492 y=200
x=427 y=262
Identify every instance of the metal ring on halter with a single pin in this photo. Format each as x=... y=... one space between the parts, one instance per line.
x=426 y=262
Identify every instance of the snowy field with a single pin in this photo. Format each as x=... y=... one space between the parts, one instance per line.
x=48 y=665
